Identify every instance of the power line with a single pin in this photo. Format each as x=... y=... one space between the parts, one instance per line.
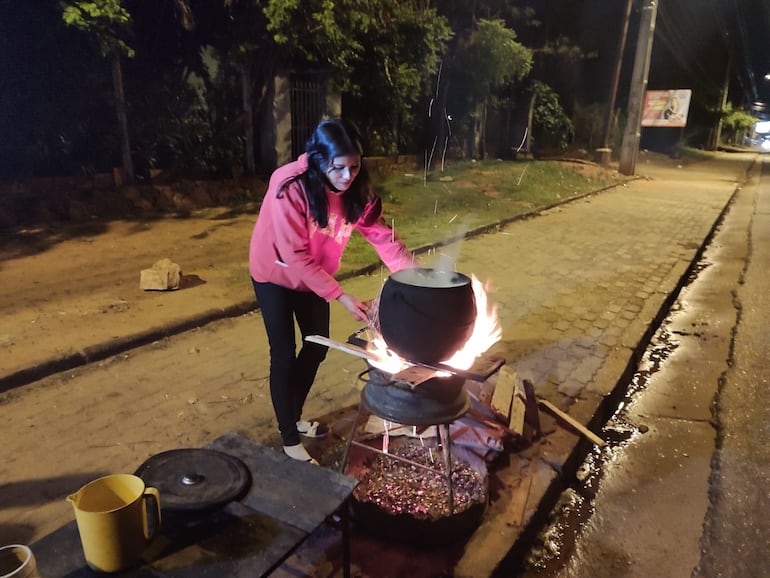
x=678 y=25
x=744 y=39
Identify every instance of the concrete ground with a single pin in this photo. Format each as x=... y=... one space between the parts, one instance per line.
x=652 y=494
x=677 y=495
x=579 y=288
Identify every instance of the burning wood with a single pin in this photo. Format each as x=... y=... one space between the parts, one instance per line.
x=419 y=488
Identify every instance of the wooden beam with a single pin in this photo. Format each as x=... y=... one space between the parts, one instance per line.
x=346 y=347
x=572 y=422
x=531 y=414
x=503 y=394
x=518 y=409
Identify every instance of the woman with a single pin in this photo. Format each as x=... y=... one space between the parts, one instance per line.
x=311 y=208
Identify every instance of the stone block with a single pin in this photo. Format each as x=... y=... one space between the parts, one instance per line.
x=165 y=275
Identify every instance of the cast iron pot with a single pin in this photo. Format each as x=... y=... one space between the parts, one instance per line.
x=426 y=315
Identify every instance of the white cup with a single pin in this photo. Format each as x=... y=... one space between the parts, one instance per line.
x=17 y=561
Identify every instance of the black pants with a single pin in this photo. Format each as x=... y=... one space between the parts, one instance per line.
x=291 y=374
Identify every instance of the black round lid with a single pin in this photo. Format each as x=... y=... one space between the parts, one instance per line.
x=190 y=480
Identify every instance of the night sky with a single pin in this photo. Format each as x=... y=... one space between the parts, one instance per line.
x=698 y=44
x=703 y=42
x=753 y=34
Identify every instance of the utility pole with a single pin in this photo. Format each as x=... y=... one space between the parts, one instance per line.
x=630 y=147
x=717 y=135
x=606 y=150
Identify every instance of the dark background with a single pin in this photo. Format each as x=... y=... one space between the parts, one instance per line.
x=55 y=89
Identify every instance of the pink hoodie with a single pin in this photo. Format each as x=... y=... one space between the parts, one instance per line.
x=288 y=247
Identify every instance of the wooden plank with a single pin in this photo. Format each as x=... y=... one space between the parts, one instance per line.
x=518 y=409
x=525 y=417
x=297 y=493
x=503 y=394
x=484 y=367
x=415 y=375
x=346 y=347
x=572 y=422
x=531 y=413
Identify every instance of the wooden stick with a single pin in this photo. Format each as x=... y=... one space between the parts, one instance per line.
x=361 y=352
x=504 y=392
x=346 y=347
x=489 y=423
x=572 y=422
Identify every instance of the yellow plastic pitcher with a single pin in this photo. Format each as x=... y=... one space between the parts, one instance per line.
x=112 y=518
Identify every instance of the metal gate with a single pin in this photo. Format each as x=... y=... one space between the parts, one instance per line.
x=308 y=103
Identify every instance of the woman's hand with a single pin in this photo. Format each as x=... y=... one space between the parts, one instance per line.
x=355 y=307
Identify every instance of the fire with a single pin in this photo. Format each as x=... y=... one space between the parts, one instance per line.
x=486 y=332
x=384 y=358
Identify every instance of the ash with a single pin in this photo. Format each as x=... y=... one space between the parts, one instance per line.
x=398 y=487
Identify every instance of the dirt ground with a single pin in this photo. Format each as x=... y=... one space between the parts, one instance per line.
x=65 y=285
x=69 y=272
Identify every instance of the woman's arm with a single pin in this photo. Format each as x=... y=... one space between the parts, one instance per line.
x=384 y=239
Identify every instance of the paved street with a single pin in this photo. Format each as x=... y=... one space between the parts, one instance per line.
x=683 y=490
x=578 y=289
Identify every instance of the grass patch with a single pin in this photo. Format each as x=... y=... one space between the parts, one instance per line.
x=468 y=195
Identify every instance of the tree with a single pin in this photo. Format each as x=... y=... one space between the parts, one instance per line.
x=382 y=54
x=737 y=123
x=402 y=54
x=550 y=126
x=491 y=60
x=243 y=38
x=110 y=23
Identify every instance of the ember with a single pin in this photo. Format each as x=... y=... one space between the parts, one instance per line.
x=398 y=487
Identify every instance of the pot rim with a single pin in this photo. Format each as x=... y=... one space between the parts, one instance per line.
x=427 y=278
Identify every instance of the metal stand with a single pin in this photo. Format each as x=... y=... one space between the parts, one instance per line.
x=442 y=436
x=419 y=398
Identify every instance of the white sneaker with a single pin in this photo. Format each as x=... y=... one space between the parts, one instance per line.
x=312 y=429
x=299 y=453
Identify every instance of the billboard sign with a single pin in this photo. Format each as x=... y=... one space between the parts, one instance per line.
x=666 y=108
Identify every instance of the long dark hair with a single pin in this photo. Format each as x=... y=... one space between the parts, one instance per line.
x=334 y=137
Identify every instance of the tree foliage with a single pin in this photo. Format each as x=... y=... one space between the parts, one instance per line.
x=736 y=122
x=107 y=20
x=492 y=59
x=416 y=75
x=109 y=23
x=489 y=60
x=383 y=55
x=552 y=128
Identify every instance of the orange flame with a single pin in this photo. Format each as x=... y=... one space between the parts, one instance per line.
x=384 y=358
x=486 y=332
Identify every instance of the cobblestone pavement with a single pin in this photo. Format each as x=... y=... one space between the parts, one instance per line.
x=577 y=287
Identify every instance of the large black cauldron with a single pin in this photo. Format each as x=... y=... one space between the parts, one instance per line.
x=426 y=315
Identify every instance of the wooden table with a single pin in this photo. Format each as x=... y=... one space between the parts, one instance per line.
x=286 y=502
